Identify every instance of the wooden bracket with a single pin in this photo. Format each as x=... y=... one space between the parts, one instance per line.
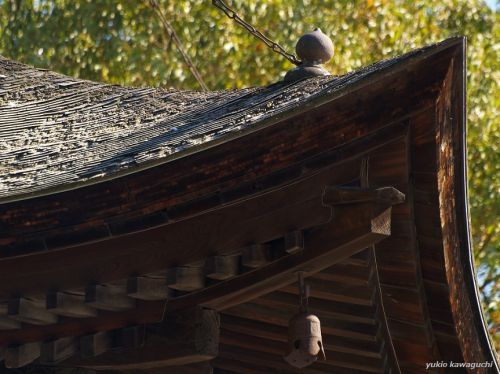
x=223 y=267
x=30 y=311
x=57 y=350
x=362 y=218
x=294 y=241
x=148 y=288
x=21 y=355
x=255 y=255
x=187 y=337
x=95 y=344
x=186 y=278
x=7 y=323
x=69 y=304
x=111 y=297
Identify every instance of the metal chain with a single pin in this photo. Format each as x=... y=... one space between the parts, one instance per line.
x=252 y=30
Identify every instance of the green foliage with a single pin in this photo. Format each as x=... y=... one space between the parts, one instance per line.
x=122 y=42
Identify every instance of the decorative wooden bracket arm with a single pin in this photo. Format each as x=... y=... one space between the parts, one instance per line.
x=186 y=337
x=355 y=195
x=361 y=218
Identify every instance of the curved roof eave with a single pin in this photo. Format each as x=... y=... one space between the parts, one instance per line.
x=103 y=132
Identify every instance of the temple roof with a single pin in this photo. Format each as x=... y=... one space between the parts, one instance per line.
x=113 y=247
x=60 y=132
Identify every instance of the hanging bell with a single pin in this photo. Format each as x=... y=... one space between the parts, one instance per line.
x=305 y=345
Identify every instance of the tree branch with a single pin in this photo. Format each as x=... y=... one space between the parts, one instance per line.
x=172 y=35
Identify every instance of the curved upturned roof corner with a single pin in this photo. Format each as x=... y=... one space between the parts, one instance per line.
x=108 y=190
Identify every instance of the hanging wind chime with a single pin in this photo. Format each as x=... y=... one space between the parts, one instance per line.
x=305 y=344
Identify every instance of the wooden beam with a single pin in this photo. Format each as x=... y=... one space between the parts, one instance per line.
x=270 y=331
x=57 y=350
x=112 y=297
x=336 y=291
x=148 y=288
x=281 y=316
x=21 y=355
x=341 y=359
x=356 y=195
x=320 y=306
x=225 y=229
x=199 y=368
x=7 y=323
x=229 y=366
x=30 y=311
x=184 y=338
x=352 y=229
x=274 y=361
x=69 y=304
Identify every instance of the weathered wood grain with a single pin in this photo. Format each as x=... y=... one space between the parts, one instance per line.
x=148 y=288
x=57 y=350
x=186 y=278
x=255 y=255
x=410 y=136
x=184 y=338
x=21 y=355
x=223 y=266
x=328 y=244
x=69 y=304
x=30 y=311
x=111 y=297
x=95 y=344
x=294 y=241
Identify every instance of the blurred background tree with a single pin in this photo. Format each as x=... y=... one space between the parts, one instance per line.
x=122 y=42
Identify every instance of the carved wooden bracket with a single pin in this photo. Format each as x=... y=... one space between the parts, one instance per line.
x=187 y=337
x=362 y=218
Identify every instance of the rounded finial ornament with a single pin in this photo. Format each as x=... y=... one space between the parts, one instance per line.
x=314 y=47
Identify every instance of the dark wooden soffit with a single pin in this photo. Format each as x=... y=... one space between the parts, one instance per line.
x=258 y=219
x=351 y=230
x=348 y=230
